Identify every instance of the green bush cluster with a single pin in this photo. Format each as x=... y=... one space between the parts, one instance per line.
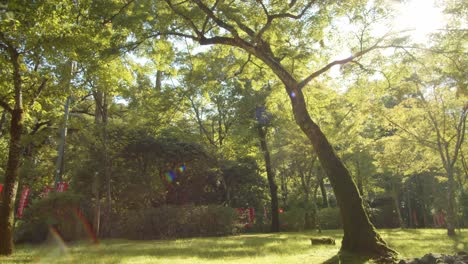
x=292 y=219
x=176 y=221
x=330 y=218
x=58 y=211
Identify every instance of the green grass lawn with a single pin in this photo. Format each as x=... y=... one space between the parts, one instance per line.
x=282 y=248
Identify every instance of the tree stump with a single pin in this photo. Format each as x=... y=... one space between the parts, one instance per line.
x=322 y=241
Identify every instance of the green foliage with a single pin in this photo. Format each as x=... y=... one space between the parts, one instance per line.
x=247 y=187
x=58 y=211
x=330 y=218
x=175 y=222
x=292 y=219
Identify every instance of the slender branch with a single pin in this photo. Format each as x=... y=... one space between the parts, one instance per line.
x=207 y=19
x=441 y=142
x=238 y=72
x=38 y=91
x=200 y=122
x=333 y=63
x=244 y=27
x=39 y=125
x=460 y=136
x=118 y=12
x=417 y=137
x=270 y=18
x=216 y=19
x=186 y=18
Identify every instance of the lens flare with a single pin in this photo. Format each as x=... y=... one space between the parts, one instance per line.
x=293 y=94
x=87 y=225
x=182 y=168
x=170 y=176
x=58 y=240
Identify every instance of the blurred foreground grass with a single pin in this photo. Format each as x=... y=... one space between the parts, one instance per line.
x=281 y=248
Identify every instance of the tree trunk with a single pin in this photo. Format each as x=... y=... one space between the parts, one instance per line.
x=410 y=208
x=397 y=205
x=360 y=235
x=323 y=191
x=307 y=216
x=97 y=207
x=2 y=121
x=271 y=181
x=11 y=184
x=10 y=187
x=451 y=216
x=63 y=140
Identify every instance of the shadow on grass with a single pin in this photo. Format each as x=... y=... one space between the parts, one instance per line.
x=200 y=248
x=459 y=243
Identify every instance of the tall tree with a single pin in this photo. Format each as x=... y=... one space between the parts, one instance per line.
x=222 y=23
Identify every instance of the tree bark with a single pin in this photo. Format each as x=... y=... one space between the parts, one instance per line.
x=63 y=139
x=271 y=181
x=397 y=205
x=451 y=216
x=10 y=187
x=360 y=235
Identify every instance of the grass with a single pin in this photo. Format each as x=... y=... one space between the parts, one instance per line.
x=282 y=248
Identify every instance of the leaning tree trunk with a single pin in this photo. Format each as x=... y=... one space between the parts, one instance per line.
x=11 y=184
x=360 y=235
x=271 y=181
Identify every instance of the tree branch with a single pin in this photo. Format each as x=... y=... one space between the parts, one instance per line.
x=118 y=12
x=186 y=18
x=270 y=18
x=216 y=19
x=417 y=137
x=38 y=92
x=333 y=63
x=460 y=136
x=207 y=19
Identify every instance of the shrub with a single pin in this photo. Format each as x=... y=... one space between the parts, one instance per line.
x=330 y=218
x=58 y=210
x=176 y=221
x=292 y=219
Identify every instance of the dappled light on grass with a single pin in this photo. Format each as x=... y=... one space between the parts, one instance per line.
x=252 y=248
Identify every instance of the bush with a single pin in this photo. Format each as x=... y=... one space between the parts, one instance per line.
x=330 y=218
x=292 y=219
x=58 y=210
x=176 y=221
